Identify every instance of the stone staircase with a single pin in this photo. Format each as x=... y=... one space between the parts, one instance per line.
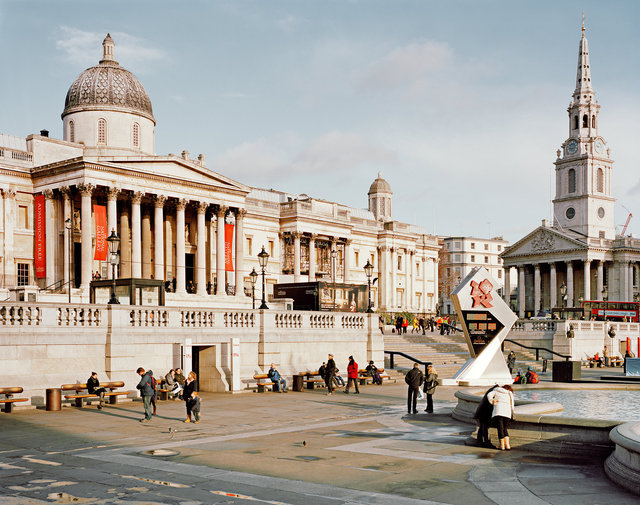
x=447 y=352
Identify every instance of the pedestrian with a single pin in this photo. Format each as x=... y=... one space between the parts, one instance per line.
x=279 y=383
x=187 y=394
x=414 y=325
x=430 y=384
x=146 y=390
x=511 y=362
x=605 y=355
x=414 y=379
x=421 y=324
x=93 y=388
x=399 y=325
x=405 y=324
x=329 y=372
x=503 y=403
x=352 y=375
x=483 y=416
x=154 y=386
x=195 y=407
x=381 y=324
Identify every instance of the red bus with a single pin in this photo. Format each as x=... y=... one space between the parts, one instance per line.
x=613 y=311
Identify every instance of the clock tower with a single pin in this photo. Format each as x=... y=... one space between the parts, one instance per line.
x=583 y=201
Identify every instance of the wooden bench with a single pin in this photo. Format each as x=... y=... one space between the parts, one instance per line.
x=80 y=395
x=163 y=391
x=263 y=382
x=616 y=361
x=8 y=399
x=311 y=379
x=363 y=376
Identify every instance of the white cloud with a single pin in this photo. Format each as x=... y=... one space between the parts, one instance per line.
x=290 y=22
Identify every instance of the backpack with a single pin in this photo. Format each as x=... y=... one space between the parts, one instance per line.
x=153 y=382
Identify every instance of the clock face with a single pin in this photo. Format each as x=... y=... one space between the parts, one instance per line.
x=570 y=213
x=572 y=146
x=601 y=212
x=599 y=146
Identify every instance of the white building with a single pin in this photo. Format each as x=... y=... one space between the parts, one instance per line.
x=170 y=212
x=460 y=255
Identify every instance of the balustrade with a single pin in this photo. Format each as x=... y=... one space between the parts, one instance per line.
x=356 y=322
x=197 y=318
x=149 y=317
x=78 y=316
x=239 y=320
x=20 y=315
x=321 y=321
x=288 y=320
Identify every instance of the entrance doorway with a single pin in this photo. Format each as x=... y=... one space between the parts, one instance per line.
x=205 y=363
x=77 y=264
x=190 y=263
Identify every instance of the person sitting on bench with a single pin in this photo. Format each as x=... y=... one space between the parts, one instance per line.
x=172 y=384
x=93 y=388
x=279 y=384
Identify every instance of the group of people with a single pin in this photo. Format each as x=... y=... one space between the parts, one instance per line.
x=179 y=387
x=414 y=379
x=329 y=372
x=401 y=323
x=496 y=407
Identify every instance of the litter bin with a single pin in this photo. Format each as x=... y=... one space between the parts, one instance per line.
x=53 y=399
x=298 y=382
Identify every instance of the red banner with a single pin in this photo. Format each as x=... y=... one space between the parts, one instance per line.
x=40 y=254
x=228 y=247
x=100 y=216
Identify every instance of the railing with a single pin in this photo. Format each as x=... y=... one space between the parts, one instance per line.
x=197 y=318
x=353 y=322
x=288 y=320
x=405 y=355
x=239 y=320
x=78 y=316
x=537 y=349
x=20 y=316
x=149 y=317
x=321 y=321
x=56 y=285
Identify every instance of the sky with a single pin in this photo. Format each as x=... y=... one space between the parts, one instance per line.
x=461 y=105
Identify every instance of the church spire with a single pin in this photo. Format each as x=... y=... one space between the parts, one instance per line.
x=584 y=92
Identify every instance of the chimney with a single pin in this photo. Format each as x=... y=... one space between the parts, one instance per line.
x=44 y=133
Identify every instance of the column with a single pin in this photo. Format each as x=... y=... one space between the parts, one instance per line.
x=424 y=285
x=587 y=279
x=630 y=290
x=221 y=275
x=636 y=269
x=201 y=254
x=436 y=295
x=411 y=291
x=312 y=257
x=553 y=299
x=382 y=277
x=86 y=190
x=240 y=213
x=181 y=281
x=521 y=292
x=125 y=244
x=169 y=241
x=212 y=251
x=570 y=300
x=394 y=302
x=112 y=220
x=50 y=238
x=68 y=229
x=9 y=227
x=347 y=261
x=146 y=244
x=158 y=237
x=536 y=289
x=507 y=285
x=600 y=281
x=136 y=236
x=296 y=256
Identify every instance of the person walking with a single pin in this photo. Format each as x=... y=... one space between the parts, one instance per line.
x=352 y=375
x=146 y=390
x=605 y=355
x=195 y=407
x=381 y=324
x=511 y=361
x=405 y=324
x=483 y=416
x=430 y=384
x=329 y=372
x=93 y=388
x=399 y=325
x=503 y=404
x=187 y=394
x=414 y=380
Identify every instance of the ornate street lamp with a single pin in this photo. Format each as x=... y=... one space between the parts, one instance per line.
x=368 y=270
x=263 y=257
x=254 y=277
x=114 y=244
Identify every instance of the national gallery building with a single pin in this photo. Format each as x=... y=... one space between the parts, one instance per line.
x=177 y=220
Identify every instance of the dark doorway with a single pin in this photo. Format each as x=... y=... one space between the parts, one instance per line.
x=190 y=275
x=195 y=364
x=77 y=264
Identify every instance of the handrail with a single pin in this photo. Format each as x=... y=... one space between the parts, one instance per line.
x=415 y=360
x=537 y=349
x=54 y=286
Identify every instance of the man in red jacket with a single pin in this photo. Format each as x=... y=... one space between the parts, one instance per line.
x=352 y=375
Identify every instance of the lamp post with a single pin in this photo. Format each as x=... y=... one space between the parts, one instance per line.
x=69 y=226
x=263 y=257
x=368 y=270
x=334 y=254
x=114 y=244
x=254 y=277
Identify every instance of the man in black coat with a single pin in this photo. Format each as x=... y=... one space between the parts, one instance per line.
x=93 y=387
x=414 y=379
x=329 y=372
x=483 y=415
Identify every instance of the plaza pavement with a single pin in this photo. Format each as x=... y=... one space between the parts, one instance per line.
x=282 y=449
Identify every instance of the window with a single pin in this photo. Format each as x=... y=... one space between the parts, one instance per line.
x=486 y=259
x=593 y=121
x=249 y=246
x=381 y=206
x=600 y=180
x=456 y=258
x=499 y=248
x=486 y=247
x=357 y=255
x=72 y=131
x=473 y=245
x=417 y=268
x=473 y=258
x=499 y=274
x=23 y=217
x=572 y=180
x=271 y=248
x=585 y=121
x=575 y=122
x=136 y=135
x=23 y=274
x=601 y=234
x=448 y=271
x=456 y=245
x=373 y=259
x=399 y=262
x=102 y=131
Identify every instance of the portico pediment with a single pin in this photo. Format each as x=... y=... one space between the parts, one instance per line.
x=541 y=241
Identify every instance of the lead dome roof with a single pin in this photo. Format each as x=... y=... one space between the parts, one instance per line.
x=108 y=86
x=380 y=186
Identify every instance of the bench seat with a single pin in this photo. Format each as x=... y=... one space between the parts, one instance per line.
x=80 y=394
x=9 y=400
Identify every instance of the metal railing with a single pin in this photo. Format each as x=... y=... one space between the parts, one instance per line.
x=405 y=355
x=537 y=349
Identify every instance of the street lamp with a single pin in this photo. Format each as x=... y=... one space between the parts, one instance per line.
x=334 y=254
x=368 y=270
x=254 y=277
x=114 y=244
x=263 y=257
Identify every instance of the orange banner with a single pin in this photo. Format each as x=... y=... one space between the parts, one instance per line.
x=40 y=253
x=100 y=216
x=228 y=247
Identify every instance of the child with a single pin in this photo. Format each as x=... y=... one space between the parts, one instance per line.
x=195 y=407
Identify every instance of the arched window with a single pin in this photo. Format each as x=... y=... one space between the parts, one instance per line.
x=585 y=121
x=600 y=180
x=136 y=135
x=102 y=131
x=572 y=180
x=381 y=200
x=575 y=122
x=593 y=121
x=72 y=131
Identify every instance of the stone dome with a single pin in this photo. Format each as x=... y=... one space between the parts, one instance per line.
x=379 y=186
x=108 y=86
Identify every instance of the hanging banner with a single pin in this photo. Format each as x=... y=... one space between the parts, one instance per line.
x=100 y=216
x=228 y=247
x=40 y=254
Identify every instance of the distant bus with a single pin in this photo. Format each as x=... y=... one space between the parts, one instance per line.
x=614 y=311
